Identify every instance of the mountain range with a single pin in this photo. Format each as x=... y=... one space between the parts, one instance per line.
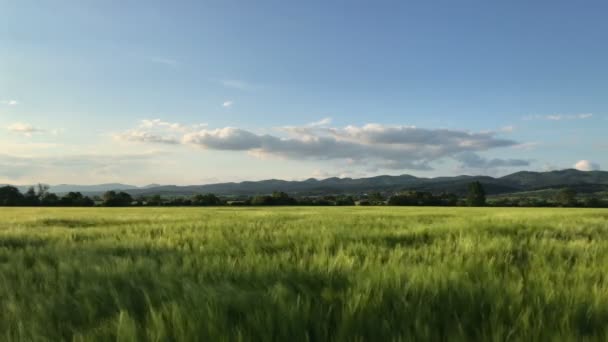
x=581 y=181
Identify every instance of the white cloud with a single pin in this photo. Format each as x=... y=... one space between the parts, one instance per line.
x=323 y=174
x=388 y=147
x=157 y=131
x=137 y=135
x=23 y=128
x=369 y=146
x=586 y=165
x=307 y=130
x=227 y=104
x=508 y=129
x=151 y=123
x=321 y=123
x=9 y=102
x=165 y=61
x=559 y=117
x=237 y=84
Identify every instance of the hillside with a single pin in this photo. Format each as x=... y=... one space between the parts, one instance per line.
x=523 y=181
x=593 y=181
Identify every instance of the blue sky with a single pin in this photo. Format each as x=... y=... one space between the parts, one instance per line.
x=191 y=92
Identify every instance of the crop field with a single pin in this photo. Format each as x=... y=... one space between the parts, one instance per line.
x=303 y=274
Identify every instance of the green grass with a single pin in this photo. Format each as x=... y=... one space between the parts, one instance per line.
x=303 y=274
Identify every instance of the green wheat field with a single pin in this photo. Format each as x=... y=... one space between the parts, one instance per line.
x=303 y=274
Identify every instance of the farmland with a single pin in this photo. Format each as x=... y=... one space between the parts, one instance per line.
x=293 y=273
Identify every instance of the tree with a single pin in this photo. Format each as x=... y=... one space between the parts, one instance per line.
x=207 y=199
x=155 y=200
x=593 y=202
x=477 y=195
x=71 y=199
x=348 y=200
x=277 y=198
x=566 y=197
x=376 y=198
x=282 y=198
x=448 y=199
x=76 y=199
x=30 y=198
x=10 y=196
x=113 y=199
x=42 y=190
x=49 y=200
x=404 y=198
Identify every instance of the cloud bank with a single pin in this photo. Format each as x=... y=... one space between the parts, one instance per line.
x=371 y=145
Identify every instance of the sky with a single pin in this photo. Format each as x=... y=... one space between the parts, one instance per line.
x=196 y=92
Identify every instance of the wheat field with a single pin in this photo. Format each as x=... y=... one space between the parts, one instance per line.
x=303 y=274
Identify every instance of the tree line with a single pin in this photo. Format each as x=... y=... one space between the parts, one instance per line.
x=40 y=196
x=476 y=197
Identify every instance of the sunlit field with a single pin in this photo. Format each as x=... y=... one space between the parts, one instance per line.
x=303 y=274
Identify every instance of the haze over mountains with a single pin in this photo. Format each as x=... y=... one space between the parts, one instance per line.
x=582 y=181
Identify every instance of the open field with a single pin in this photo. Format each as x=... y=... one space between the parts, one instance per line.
x=192 y=274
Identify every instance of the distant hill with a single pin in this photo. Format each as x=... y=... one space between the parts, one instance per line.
x=569 y=177
x=62 y=188
x=581 y=181
x=85 y=189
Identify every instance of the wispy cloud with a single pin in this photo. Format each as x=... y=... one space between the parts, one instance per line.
x=21 y=167
x=508 y=129
x=227 y=104
x=138 y=135
x=151 y=123
x=157 y=131
x=165 y=61
x=9 y=102
x=237 y=84
x=559 y=117
x=321 y=123
x=527 y=145
x=25 y=129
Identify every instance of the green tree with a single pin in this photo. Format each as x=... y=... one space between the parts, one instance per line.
x=477 y=195
x=347 y=200
x=206 y=199
x=277 y=198
x=76 y=199
x=155 y=200
x=262 y=200
x=49 y=199
x=566 y=197
x=593 y=202
x=10 y=196
x=30 y=198
x=375 y=198
x=113 y=199
x=42 y=190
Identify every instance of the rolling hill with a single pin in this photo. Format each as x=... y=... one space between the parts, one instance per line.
x=581 y=181
x=592 y=181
